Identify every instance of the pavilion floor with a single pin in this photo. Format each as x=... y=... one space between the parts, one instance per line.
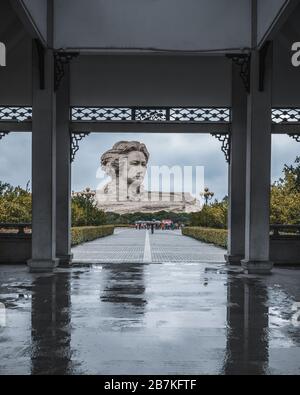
x=149 y=318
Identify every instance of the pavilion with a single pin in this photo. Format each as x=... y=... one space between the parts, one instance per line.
x=224 y=67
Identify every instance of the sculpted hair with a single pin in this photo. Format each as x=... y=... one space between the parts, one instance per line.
x=123 y=148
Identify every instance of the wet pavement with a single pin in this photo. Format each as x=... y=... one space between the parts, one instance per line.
x=140 y=246
x=171 y=318
x=166 y=304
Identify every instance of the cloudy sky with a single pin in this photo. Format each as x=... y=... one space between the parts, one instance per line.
x=165 y=149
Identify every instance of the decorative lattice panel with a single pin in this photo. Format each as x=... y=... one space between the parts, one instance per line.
x=286 y=115
x=168 y=114
x=19 y=114
x=75 y=140
x=225 y=139
x=200 y=114
x=3 y=134
x=150 y=114
x=165 y=114
x=101 y=114
x=295 y=137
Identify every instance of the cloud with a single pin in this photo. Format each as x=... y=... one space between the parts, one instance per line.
x=284 y=151
x=15 y=158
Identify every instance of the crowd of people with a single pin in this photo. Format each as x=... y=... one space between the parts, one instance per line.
x=158 y=225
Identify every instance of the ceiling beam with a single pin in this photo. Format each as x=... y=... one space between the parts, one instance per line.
x=281 y=18
x=149 y=127
x=27 y=20
x=9 y=126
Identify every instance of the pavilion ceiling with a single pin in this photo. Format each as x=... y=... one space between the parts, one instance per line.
x=128 y=79
x=154 y=25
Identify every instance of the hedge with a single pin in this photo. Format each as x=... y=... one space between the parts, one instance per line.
x=124 y=226
x=90 y=233
x=207 y=235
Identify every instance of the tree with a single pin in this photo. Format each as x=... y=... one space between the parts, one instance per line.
x=212 y=216
x=15 y=204
x=285 y=196
x=85 y=211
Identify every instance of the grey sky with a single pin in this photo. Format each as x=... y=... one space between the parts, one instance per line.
x=165 y=149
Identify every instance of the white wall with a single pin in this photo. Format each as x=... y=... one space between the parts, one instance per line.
x=159 y=24
x=267 y=12
x=151 y=81
x=38 y=12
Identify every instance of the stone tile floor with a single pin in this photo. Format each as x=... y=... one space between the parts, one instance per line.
x=129 y=245
x=148 y=318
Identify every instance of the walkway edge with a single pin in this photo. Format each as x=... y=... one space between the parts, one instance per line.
x=147 y=249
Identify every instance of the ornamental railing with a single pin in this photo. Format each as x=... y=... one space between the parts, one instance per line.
x=15 y=114
x=284 y=115
x=151 y=114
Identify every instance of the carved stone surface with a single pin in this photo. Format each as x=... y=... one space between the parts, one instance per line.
x=125 y=166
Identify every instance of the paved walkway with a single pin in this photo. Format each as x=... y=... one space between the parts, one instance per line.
x=140 y=246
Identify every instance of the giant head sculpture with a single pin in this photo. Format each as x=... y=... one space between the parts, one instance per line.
x=126 y=164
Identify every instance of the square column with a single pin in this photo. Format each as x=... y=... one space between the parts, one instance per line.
x=237 y=171
x=63 y=173
x=43 y=165
x=258 y=168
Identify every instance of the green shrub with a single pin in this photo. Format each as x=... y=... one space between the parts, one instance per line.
x=90 y=233
x=208 y=235
x=124 y=226
x=212 y=216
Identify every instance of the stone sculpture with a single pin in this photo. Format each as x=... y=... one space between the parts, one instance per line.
x=126 y=165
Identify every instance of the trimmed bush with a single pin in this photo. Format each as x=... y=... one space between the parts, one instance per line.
x=90 y=233
x=124 y=226
x=207 y=235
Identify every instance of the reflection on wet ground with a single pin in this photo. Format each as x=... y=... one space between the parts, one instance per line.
x=149 y=319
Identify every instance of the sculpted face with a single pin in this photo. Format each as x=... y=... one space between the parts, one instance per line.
x=137 y=166
x=132 y=165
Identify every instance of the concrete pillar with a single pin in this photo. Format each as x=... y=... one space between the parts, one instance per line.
x=63 y=173
x=258 y=169
x=237 y=171
x=43 y=166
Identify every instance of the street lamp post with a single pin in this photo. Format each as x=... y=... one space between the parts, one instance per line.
x=207 y=195
x=87 y=194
